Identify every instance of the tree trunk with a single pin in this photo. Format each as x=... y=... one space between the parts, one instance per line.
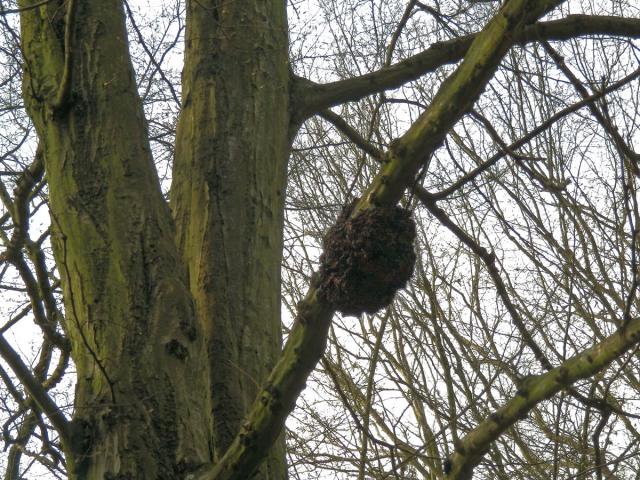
x=171 y=342
x=228 y=197
x=142 y=397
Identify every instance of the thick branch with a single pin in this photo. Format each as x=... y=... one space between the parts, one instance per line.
x=475 y=444
x=313 y=97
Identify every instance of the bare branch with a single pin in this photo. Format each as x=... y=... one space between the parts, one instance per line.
x=37 y=392
x=313 y=97
x=535 y=389
x=10 y=11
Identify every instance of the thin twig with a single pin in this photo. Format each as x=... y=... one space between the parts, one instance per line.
x=9 y=11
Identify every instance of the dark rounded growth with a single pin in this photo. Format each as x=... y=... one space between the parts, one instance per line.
x=367 y=258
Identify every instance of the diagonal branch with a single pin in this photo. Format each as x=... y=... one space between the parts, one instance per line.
x=352 y=134
x=534 y=390
x=313 y=97
x=37 y=392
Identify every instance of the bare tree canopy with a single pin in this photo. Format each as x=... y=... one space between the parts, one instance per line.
x=424 y=212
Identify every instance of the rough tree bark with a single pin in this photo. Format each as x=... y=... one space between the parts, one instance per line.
x=228 y=196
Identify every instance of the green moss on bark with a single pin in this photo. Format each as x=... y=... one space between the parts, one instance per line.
x=124 y=286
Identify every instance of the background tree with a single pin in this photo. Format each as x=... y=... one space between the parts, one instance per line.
x=524 y=290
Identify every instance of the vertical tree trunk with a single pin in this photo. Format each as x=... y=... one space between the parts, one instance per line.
x=228 y=196
x=142 y=398
x=163 y=387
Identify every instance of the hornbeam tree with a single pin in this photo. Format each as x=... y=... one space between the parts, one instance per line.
x=171 y=300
